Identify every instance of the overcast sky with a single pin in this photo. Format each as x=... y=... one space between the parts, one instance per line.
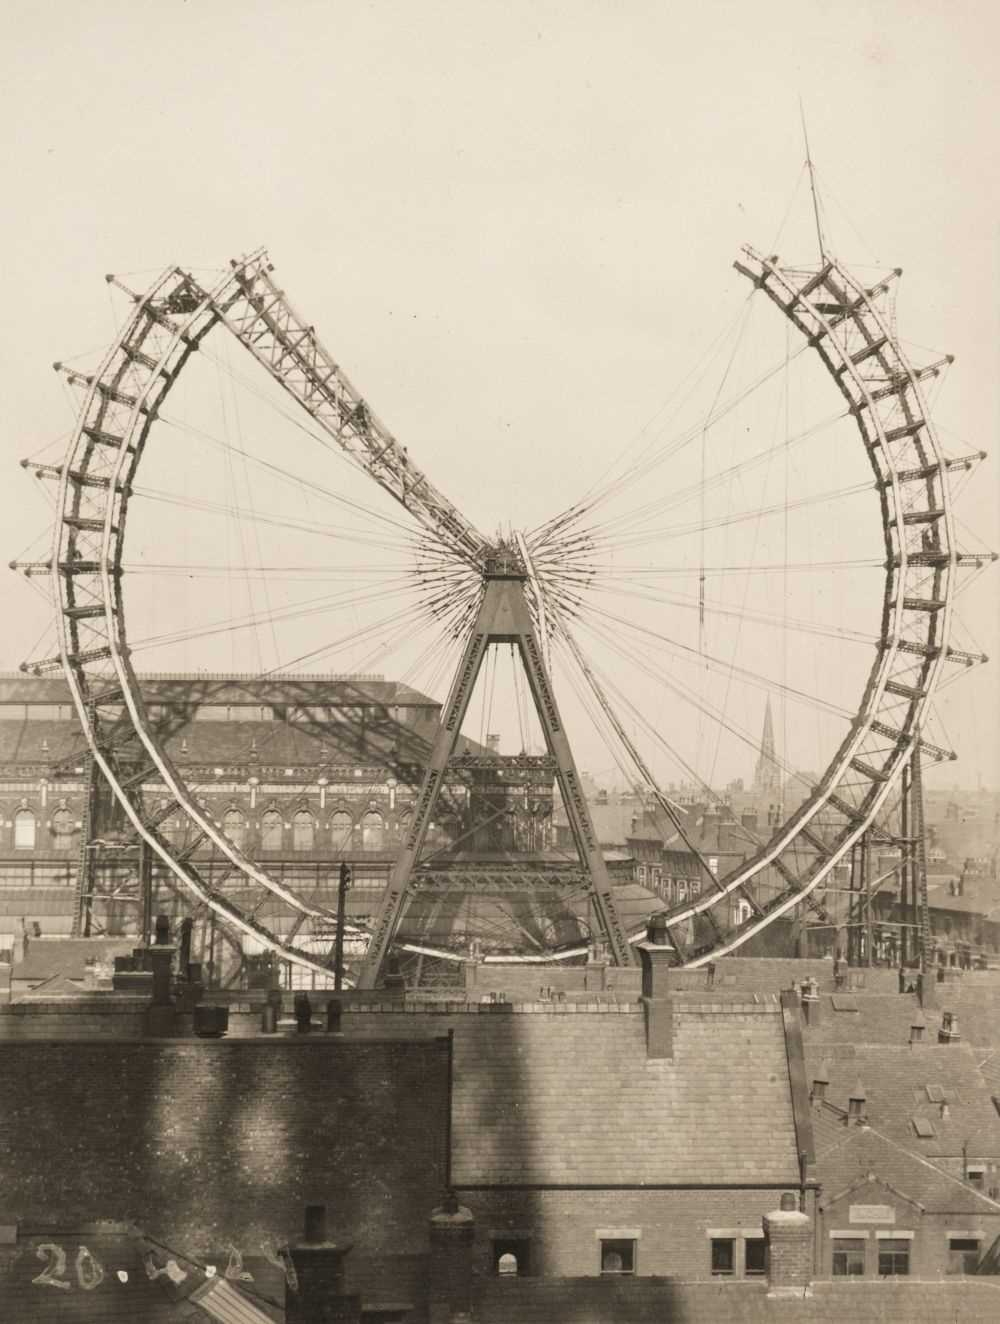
x=511 y=222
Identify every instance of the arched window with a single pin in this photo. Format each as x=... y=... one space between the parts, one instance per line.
x=303 y=830
x=372 y=831
x=62 y=830
x=235 y=827
x=270 y=830
x=507 y=1265
x=24 y=830
x=341 y=828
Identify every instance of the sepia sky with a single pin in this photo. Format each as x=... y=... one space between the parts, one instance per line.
x=513 y=224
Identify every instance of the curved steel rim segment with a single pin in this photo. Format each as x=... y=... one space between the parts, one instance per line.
x=840 y=320
x=883 y=394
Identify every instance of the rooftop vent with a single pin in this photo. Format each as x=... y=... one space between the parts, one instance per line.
x=856 y=1104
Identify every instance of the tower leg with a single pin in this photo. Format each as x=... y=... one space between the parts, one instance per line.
x=503 y=618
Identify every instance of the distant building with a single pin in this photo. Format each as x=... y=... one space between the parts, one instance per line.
x=767 y=774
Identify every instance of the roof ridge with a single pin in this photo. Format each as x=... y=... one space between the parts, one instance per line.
x=993 y=1204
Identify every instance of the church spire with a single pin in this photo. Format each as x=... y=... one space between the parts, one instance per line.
x=767 y=776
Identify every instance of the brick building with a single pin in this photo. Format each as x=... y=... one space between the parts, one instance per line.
x=302 y=773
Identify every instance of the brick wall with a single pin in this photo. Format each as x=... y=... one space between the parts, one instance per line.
x=634 y=1301
x=202 y=1143
x=929 y=1245
x=673 y=1228
x=98 y=1017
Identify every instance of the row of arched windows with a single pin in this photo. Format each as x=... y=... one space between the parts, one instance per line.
x=61 y=826
x=304 y=829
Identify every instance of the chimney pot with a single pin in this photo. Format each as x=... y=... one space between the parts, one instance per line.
x=303 y=1014
x=315 y=1230
x=656 y=931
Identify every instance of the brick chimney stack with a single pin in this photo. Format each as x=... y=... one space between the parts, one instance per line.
x=810 y=1001
x=319 y=1297
x=789 y=1236
x=452 y=1233
x=657 y=956
x=948 y=1033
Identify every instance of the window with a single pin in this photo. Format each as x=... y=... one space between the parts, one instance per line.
x=270 y=834
x=963 y=1254
x=975 y=1175
x=372 y=831
x=341 y=828
x=723 y=1257
x=62 y=830
x=234 y=826
x=303 y=830
x=741 y=912
x=511 y=1257
x=24 y=830
x=642 y=873
x=617 y=1255
x=848 y=1257
x=755 y=1259
x=893 y=1257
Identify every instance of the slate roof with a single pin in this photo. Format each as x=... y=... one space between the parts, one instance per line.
x=879 y=1019
x=860 y=1151
x=612 y=820
x=47 y=957
x=230 y=687
x=895 y=1080
x=57 y=988
x=976 y=1002
x=570 y=1100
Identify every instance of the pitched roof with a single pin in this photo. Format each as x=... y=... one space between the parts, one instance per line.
x=47 y=957
x=229 y=687
x=896 y=1080
x=865 y=1155
x=876 y=1018
x=570 y=1100
x=58 y=988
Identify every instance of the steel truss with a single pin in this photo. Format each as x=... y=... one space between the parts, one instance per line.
x=838 y=317
x=841 y=320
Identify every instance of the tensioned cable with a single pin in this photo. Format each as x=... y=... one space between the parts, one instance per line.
x=296 y=479
x=312 y=607
x=694 y=491
x=723 y=521
x=342 y=533
x=672 y=446
x=722 y=667
x=758 y=617
x=676 y=687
